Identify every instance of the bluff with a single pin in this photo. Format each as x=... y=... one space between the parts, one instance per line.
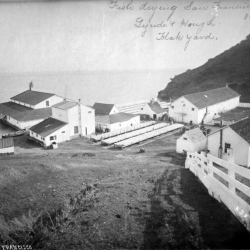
x=231 y=67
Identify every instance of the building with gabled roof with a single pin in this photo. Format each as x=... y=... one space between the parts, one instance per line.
x=232 y=142
x=191 y=141
x=22 y=117
x=154 y=110
x=116 y=121
x=203 y=106
x=105 y=109
x=50 y=131
x=35 y=99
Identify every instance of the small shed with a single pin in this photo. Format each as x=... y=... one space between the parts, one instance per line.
x=6 y=146
x=191 y=141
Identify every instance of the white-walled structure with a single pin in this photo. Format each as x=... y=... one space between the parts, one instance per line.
x=116 y=121
x=6 y=146
x=36 y=100
x=191 y=141
x=105 y=109
x=50 y=131
x=203 y=106
x=154 y=110
x=81 y=118
x=234 y=141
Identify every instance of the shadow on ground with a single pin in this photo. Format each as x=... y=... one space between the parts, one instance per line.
x=184 y=216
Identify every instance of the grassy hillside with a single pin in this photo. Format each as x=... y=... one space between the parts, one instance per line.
x=231 y=67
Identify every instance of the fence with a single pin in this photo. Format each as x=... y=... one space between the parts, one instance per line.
x=121 y=131
x=134 y=133
x=225 y=181
x=139 y=138
x=244 y=105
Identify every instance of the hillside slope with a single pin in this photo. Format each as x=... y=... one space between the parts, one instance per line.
x=232 y=67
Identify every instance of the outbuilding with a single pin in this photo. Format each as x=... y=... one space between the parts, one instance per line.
x=49 y=131
x=232 y=142
x=110 y=123
x=105 y=109
x=203 y=106
x=154 y=110
x=191 y=141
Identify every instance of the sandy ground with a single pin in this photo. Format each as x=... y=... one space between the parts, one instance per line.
x=151 y=195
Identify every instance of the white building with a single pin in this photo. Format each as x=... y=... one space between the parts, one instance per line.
x=232 y=143
x=116 y=121
x=36 y=100
x=105 y=109
x=154 y=110
x=191 y=141
x=50 y=131
x=81 y=118
x=203 y=106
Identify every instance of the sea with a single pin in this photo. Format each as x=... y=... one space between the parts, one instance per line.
x=118 y=87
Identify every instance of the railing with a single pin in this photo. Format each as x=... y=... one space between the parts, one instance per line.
x=225 y=181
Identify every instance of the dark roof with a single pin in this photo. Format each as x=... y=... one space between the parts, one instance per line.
x=102 y=108
x=155 y=106
x=47 y=127
x=242 y=128
x=22 y=113
x=211 y=97
x=114 y=118
x=32 y=97
x=65 y=105
x=234 y=115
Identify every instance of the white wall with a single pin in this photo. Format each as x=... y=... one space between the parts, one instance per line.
x=52 y=101
x=189 y=146
x=114 y=110
x=119 y=125
x=71 y=116
x=23 y=125
x=148 y=111
x=6 y=150
x=238 y=144
x=197 y=115
x=182 y=105
x=60 y=136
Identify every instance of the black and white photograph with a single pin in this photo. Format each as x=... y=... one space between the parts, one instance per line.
x=124 y=124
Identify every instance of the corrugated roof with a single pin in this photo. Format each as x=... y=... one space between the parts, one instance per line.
x=22 y=113
x=242 y=128
x=114 y=118
x=195 y=135
x=102 y=108
x=155 y=106
x=65 y=105
x=47 y=127
x=32 y=97
x=211 y=97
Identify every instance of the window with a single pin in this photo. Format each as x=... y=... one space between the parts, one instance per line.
x=227 y=145
x=76 y=129
x=90 y=112
x=36 y=135
x=52 y=138
x=47 y=103
x=192 y=109
x=172 y=107
x=184 y=105
x=184 y=138
x=63 y=132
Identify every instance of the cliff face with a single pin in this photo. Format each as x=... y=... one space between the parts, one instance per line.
x=232 y=67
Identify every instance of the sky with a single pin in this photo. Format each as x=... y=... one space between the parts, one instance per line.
x=69 y=36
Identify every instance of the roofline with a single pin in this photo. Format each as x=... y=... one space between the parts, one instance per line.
x=213 y=89
x=33 y=91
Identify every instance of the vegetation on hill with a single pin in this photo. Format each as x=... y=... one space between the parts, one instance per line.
x=231 y=67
